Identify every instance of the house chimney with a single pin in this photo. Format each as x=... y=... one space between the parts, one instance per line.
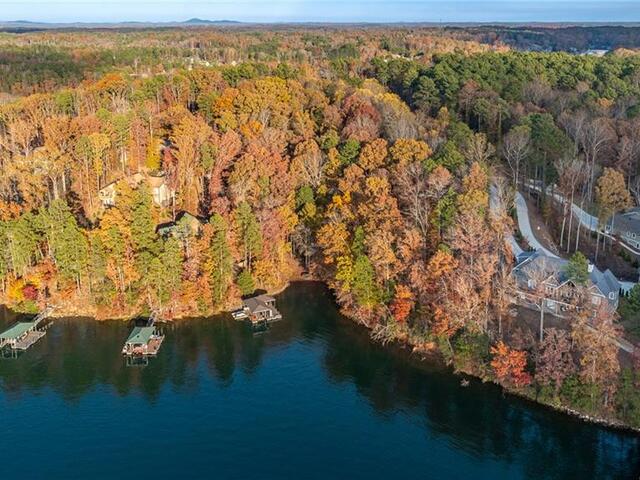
x=590 y=268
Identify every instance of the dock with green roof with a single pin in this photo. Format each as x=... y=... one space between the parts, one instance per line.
x=143 y=341
x=22 y=335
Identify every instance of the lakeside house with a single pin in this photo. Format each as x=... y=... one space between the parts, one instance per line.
x=258 y=310
x=539 y=276
x=143 y=341
x=161 y=193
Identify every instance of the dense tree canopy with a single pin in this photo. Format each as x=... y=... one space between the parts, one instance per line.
x=214 y=169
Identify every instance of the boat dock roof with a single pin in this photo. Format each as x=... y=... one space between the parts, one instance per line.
x=141 y=335
x=18 y=330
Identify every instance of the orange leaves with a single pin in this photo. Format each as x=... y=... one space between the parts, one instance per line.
x=373 y=155
x=402 y=303
x=407 y=150
x=595 y=340
x=9 y=210
x=363 y=120
x=333 y=237
x=110 y=83
x=440 y=264
x=251 y=129
x=612 y=193
x=476 y=179
x=510 y=365
x=442 y=324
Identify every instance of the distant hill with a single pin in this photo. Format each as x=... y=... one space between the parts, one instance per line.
x=18 y=25
x=200 y=21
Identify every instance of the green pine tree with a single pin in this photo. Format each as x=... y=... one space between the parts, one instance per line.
x=221 y=261
x=248 y=233
x=245 y=283
x=364 y=286
x=578 y=269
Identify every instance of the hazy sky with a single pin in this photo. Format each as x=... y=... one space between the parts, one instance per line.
x=324 y=10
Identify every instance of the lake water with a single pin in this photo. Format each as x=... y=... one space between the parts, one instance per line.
x=311 y=398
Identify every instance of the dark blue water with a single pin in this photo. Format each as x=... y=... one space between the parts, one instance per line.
x=311 y=398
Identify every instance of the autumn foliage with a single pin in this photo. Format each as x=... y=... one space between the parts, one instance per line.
x=510 y=365
x=231 y=162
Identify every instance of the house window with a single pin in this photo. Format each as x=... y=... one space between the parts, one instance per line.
x=549 y=289
x=595 y=300
x=633 y=235
x=612 y=295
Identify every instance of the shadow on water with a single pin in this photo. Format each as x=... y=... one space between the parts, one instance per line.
x=79 y=356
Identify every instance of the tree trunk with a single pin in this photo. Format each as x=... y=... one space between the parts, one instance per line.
x=564 y=221
x=541 y=319
x=570 y=223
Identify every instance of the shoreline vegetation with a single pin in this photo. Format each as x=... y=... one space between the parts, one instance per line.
x=414 y=353
x=203 y=166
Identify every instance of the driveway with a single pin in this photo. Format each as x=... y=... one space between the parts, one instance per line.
x=525 y=226
x=493 y=205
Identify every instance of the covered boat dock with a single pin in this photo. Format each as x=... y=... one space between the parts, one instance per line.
x=143 y=341
x=22 y=335
x=259 y=310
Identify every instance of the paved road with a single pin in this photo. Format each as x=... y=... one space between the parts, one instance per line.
x=525 y=226
x=587 y=220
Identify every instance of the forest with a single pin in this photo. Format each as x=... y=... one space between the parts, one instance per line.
x=140 y=178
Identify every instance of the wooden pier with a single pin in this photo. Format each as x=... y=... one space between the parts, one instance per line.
x=22 y=335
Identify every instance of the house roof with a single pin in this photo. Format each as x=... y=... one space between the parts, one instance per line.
x=136 y=179
x=17 y=330
x=182 y=218
x=140 y=335
x=258 y=304
x=555 y=268
x=628 y=221
x=605 y=281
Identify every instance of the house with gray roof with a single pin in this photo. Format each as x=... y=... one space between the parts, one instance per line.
x=626 y=227
x=540 y=277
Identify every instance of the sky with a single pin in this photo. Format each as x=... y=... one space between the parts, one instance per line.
x=323 y=10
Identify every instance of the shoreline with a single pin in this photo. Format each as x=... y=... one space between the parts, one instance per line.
x=422 y=358
x=90 y=313
x=396 y=346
